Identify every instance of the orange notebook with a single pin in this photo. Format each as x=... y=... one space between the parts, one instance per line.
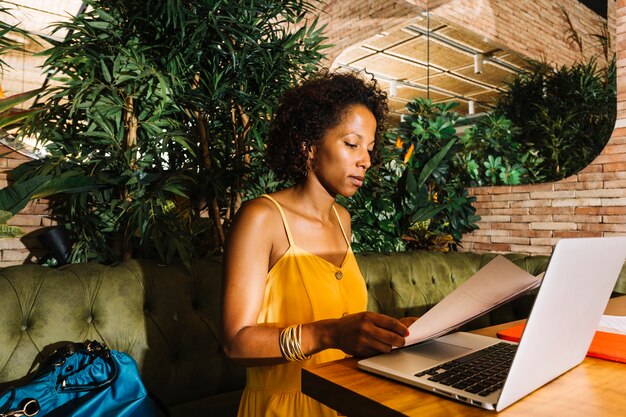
x=609 y=346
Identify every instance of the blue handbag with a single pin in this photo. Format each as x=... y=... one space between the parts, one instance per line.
x=81 y=380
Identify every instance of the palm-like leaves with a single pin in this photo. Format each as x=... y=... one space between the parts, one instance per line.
x=163 y=106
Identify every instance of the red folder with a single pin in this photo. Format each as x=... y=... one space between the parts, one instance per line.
x=609 y=346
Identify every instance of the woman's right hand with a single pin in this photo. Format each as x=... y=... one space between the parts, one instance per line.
x=366 y=333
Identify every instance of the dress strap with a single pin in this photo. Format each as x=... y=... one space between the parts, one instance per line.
x=282 y=215
x=341 y=226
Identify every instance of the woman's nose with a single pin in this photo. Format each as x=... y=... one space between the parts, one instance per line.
x=365 y=160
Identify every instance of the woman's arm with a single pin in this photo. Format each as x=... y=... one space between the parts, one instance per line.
x=246 y=263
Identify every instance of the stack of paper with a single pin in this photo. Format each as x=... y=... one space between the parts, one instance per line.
x=613 y=324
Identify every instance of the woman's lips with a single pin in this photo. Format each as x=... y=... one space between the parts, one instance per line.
x=358 y=181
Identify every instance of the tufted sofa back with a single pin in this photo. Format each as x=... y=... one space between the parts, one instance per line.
x=168 y=317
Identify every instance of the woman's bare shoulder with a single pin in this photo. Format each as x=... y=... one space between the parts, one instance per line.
x=254 y=229
x=343 y=212
x=259 y=210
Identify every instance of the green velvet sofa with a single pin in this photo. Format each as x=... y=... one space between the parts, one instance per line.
x=168 y=317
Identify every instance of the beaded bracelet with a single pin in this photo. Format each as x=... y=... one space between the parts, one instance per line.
x=290 y=342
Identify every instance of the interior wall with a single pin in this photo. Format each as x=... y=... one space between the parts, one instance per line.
x=537 y=29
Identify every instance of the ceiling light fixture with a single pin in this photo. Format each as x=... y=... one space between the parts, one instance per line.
x=470 y=107
x=478 y=63
x=393 y=88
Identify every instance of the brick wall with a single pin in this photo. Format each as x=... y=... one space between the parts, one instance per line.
x=351 y=21
x=534 y=28
x=32 y=218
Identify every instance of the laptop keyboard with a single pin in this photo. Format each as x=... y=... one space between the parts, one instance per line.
x=481 y=372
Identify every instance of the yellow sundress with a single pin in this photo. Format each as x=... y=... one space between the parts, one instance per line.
x=301 y=287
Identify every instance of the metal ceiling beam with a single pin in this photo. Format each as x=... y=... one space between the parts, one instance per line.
x=463 y=48
x=412 y=85
x=421 y=64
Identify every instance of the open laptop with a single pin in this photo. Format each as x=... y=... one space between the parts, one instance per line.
x=492 y=373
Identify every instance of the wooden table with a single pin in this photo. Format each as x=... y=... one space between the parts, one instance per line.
x=594 y=388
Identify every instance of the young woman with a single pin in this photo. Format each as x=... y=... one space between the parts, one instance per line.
x=293 y=292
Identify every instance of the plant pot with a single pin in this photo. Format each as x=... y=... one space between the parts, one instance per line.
x=58 y=243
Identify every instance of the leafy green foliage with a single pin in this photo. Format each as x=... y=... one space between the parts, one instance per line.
x=412 y=201
x=375 y=208
x=10 y=116
x=564 y=116
x=8 y=34
x=441 y=211
x=491 y=156
x=163 y=106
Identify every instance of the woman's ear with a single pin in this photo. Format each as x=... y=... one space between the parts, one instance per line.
x=310 y=153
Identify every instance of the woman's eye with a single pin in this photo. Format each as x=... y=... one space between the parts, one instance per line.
x=350 y=145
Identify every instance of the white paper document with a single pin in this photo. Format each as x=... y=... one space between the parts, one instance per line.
x=495 y=284
x=613 y=324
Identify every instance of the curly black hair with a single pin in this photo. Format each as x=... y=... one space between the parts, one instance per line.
x=313 y=107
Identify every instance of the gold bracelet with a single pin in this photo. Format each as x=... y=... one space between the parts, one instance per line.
x=290 y=343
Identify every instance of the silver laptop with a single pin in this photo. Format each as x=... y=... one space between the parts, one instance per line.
x=493 y=374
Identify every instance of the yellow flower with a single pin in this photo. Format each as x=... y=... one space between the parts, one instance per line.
x=407 y=157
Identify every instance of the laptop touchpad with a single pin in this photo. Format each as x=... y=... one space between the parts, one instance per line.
x=437 y=350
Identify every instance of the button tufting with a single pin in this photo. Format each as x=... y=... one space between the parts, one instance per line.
x=338 y=274
x=24 y=327
x=89 y=319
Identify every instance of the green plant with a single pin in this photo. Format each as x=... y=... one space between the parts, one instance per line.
x=6 y=230
x=164 y=106
x=7 y=36
x=491 y=156
x=564 y=116
x=444 y=211
x=374 y=208
x=411 y=201
x=11 y=117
